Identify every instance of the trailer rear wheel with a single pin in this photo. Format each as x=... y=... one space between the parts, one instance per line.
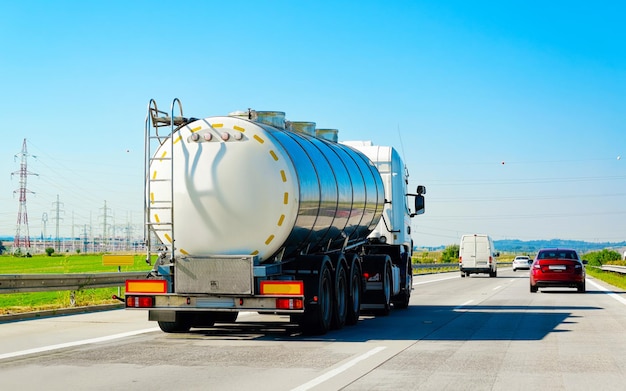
x=354 y=300
x=340 y=307
x=318 y=311
x=182 y=324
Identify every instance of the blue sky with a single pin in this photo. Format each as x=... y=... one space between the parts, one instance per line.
x=459 y=87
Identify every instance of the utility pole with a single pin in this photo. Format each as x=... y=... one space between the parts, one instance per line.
x=44 y=234
x=57 y=210
x=105 y=226
x=22 y=235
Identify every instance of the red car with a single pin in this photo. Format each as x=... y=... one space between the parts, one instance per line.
x=557 y=267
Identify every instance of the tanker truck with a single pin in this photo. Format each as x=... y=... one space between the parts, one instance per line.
x=252 y=212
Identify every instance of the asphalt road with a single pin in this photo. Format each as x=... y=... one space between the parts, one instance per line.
x=476 y=333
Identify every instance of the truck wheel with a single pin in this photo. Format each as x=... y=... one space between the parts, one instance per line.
x=354 y=299
x=462 y=274
x=317 y=317
x=225 y=317
x=403 y=298
x=386 y=292
x=181 y=325
x=340 y=302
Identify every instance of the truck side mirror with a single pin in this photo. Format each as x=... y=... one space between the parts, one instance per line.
x=420 y=205
x=420 y=202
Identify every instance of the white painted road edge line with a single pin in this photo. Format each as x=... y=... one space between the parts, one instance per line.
x=76 y=343
x=603 y=289
x=441 y=279
x=338 y=370
x=462 y=305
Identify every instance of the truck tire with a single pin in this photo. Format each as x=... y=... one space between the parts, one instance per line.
x=401 y=301
x=340 y=296
x=386 y=292
x=225 y=316
x=355 y=289
x=182 y=324
x=317 y=316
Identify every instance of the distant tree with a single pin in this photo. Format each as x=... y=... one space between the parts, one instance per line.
x=450 y=254
x=2 y=248
x=599 y=258
x=49 y=251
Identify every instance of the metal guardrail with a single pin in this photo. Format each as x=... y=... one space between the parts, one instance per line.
x=445 y=265
x=434 y=265
x=20 y=283
x=614 y=268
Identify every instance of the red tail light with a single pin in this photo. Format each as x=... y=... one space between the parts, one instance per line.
x=289 y=304
x=139 y=301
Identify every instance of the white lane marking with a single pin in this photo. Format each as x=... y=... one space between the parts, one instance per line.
x=76 y=343
x=462 y=305
x=498 y=287
x=336 y=371
x=441 y=279
x=603 y=289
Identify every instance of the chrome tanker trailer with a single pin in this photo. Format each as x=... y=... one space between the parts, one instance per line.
x=250 y=212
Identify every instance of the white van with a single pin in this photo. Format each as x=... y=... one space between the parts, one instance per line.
x=477 y=255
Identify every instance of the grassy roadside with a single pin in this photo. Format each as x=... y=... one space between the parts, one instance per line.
x=75 y=263
x=615 y=279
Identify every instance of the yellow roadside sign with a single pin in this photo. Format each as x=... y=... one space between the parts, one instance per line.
x=118 y=260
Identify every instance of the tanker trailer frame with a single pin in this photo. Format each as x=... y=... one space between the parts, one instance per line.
x=250 y=212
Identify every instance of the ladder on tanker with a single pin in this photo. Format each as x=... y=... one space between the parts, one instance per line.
x=156 y=119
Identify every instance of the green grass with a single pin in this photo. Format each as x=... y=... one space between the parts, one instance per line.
x=616 y=279
x=75 y=263
x=57 y=264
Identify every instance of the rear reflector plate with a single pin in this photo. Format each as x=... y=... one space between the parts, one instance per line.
x=290 y=288
x=146 y=286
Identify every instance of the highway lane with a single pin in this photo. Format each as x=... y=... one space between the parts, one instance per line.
x=459 y=333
